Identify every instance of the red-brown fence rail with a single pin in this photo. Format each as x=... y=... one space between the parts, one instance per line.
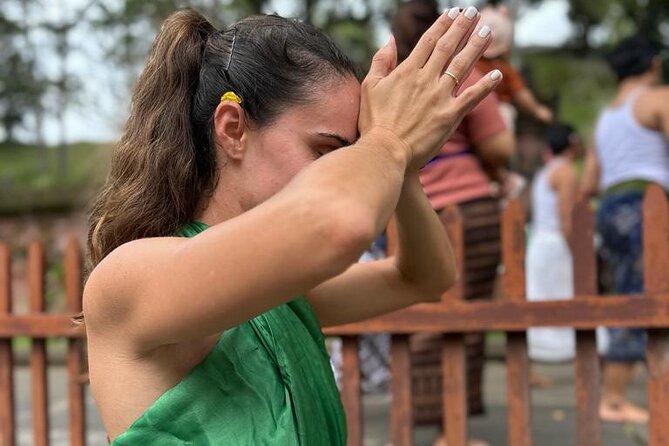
x=453 y=317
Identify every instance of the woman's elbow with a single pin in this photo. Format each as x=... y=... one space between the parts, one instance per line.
x=433 y=291
x=348 y=236
x=447 y=280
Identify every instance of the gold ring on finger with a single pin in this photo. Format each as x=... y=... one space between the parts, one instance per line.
x=451 y=75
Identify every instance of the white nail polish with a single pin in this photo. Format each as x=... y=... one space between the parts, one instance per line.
x=471 y=12
x=484 y=31
x=496 y=75
x=453 y=13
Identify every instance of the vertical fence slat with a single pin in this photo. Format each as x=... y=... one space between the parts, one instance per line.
x=453 y=353
x=656 y=279
x=75 y=351
x=586 y=365
x=38 y=358
x=517 y=362
x=7 y=426
x=401 y=410
x=351 y=390
x=454 y=384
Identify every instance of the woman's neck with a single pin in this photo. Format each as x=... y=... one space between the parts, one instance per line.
x=549 y=157
x=223 y=205
x=632 y=84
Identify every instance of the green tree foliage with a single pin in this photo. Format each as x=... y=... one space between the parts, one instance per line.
x=352 y=24
x=21 y=87
x=617 y=19
x=124 y=29
x=23 y=82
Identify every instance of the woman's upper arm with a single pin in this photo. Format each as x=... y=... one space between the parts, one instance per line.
x=363 y=291
x=565 y=183
x=488 y=133
x=590 y=180
x=663 y=112
x=497 y=149
x=167 y=290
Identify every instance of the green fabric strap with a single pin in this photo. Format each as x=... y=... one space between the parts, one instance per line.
x=267 y=381
x=628 y=186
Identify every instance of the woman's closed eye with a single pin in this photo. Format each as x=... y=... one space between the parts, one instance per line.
x=327 y=143
x=320 y=151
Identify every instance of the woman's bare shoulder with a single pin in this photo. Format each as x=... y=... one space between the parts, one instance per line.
x=115 y=282
x=563 y=174
x=651 y=106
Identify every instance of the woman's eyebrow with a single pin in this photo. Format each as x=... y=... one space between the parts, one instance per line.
x=343 y=141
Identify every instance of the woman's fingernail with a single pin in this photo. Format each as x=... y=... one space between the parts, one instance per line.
x=496 y=75
x=484 y=31
x=453 y=13
x=471 y=12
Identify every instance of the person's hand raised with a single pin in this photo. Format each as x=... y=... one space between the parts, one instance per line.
x=415 y=101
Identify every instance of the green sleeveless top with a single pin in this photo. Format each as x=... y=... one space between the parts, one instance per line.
x=267 y=381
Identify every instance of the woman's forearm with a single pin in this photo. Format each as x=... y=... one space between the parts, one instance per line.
x=424 y=257
x=357 y=185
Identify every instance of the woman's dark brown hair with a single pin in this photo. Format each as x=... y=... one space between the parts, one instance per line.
x=164 y=168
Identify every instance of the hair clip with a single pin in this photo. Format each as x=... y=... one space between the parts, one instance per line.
x=231 y=96
x=232 y=51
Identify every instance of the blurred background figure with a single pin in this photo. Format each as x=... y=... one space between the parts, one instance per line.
x=548 y=261
x=631 y=152
x=512 y=92
x=458 y=176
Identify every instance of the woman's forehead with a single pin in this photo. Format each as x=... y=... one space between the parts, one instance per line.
x=333 y=109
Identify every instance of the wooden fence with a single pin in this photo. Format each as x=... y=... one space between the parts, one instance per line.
x=40 y=325
x=453 y=317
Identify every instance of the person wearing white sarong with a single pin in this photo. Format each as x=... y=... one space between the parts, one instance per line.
x=548 y=261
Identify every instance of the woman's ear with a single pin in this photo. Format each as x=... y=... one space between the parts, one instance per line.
x=229 y=127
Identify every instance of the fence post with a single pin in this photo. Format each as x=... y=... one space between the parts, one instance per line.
x=401 y=408
x=350 y=393
x=587 y=379
x=453 y=352
x=656 y=279
x=38 y=358
x=75 y=354
x=7 y=426
x=401 y=411
x=517 y=361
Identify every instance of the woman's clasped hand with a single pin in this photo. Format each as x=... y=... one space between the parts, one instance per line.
x=418 y=102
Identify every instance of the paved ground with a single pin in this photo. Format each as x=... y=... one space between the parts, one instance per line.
x=553 y=413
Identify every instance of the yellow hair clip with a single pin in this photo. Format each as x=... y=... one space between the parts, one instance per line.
x=231 y=96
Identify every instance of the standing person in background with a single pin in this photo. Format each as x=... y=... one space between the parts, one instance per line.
x=512 y=92
x=548 y=262
x=631 y=152
x=456 y=176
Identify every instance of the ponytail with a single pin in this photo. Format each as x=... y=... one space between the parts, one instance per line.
x=158 y=176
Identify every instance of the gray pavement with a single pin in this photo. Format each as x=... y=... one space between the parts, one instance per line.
x=58 y=410
x=552 y=412
x=553 y=418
